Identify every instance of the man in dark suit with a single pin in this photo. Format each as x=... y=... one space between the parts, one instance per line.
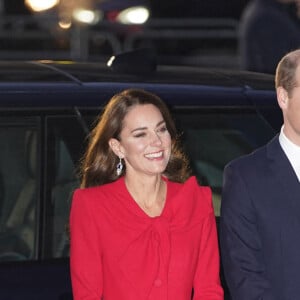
x=260 y=210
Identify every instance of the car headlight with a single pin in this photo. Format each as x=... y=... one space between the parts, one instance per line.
x=38 y=5
x=133 y=15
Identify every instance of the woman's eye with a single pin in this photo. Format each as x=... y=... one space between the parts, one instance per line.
x=162 y=129
x=142 y=134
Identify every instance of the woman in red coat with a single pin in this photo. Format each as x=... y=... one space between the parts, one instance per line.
x=141 y=228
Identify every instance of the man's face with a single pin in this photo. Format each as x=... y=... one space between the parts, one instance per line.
x=290 y=105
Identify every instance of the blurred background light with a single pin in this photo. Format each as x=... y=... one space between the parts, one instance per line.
x=40 y=5
x=133 y=15
x=64 y=24
x=87 y=16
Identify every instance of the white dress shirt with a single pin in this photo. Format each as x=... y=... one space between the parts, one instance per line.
x=292 y=152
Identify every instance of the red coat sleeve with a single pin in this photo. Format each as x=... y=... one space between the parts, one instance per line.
x=85 y=250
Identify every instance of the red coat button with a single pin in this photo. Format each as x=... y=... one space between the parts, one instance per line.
x=157 y=282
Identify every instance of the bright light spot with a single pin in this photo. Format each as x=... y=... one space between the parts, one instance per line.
x=65 y=24
x=41 y=5
x=134 y=15
x=61 y=62
x=87 y=16
x=46 y=61
x=110 y=61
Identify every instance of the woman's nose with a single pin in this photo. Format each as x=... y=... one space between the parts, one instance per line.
x=156 y=139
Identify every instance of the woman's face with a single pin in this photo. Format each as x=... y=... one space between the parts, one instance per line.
x=145 y=142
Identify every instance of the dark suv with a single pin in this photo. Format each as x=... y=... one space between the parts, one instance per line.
x=46 y=112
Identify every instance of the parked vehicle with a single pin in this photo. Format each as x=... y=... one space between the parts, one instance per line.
x=46 y=112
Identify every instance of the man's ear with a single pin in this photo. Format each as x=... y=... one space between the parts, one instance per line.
x=115 y=146
x=282 y=97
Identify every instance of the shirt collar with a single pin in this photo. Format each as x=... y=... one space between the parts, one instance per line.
x=291 y=150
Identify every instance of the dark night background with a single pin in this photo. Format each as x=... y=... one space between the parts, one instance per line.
x=165 y=8
x=221 y=51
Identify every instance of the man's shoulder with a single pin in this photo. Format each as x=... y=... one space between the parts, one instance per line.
x=251 y=158
x=256 y=158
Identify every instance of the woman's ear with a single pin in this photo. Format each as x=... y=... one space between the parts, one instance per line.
x=282 y=97
x=114 y=144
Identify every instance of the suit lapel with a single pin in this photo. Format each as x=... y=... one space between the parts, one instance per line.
x=281 y=168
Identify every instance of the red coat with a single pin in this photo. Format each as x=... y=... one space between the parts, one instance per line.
x=120 y=253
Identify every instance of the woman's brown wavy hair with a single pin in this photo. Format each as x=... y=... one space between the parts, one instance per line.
x=99 y=162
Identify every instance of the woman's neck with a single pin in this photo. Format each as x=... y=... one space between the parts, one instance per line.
x=149 y=193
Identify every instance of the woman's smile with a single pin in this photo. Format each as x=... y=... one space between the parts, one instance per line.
x=155 y=155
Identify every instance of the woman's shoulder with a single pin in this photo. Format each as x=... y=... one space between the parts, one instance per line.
x=96 y=200
x=191 y=184
x=192 y=194
x=96 y=191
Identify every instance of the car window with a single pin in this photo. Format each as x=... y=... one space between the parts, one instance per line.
x=19 y=187
x=65 y=146
x=213 y=138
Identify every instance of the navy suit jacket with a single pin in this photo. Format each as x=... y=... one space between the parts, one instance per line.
x=260 y=226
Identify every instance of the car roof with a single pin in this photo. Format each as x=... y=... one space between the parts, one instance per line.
x=40 y=82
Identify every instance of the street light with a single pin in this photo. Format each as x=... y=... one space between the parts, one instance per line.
x=41 y=5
